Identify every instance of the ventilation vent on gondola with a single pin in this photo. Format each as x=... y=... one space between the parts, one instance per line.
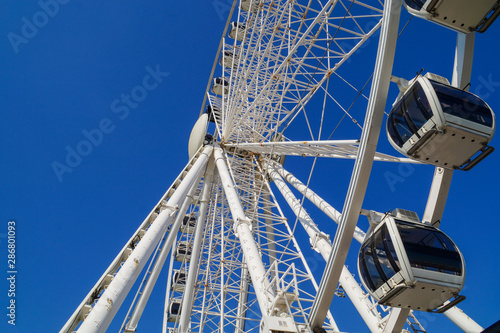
x=437 y=78
x=405 y=215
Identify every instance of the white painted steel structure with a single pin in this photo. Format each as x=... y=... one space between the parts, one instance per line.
x=245 y=262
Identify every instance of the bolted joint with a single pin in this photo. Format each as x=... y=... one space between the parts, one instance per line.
x=238 y=221
x=316 y=238
x=375 y=218
x=164 y=205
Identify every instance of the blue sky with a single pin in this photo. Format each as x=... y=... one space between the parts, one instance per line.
x=70 y=78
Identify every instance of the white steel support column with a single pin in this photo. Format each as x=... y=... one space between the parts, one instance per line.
x=363 y=164
x=463 y=321
x=464 y=54
x=158 y=266
x=242 y=230
x=319 y=240
x=103 y=312
x=167 y=291
x=397 y=320
x=438 y=194
x=324 y=206
x=188 y=298
x=222 y=263
x=320 y=243
x=242 y=300
x=462 y=71
x=269 y=228
x=203 y=314
x=441 y=182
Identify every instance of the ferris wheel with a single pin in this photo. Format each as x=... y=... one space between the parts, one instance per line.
x=291 y=82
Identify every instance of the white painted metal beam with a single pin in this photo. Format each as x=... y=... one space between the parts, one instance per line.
x=188 y=298
x=397 y=320
x=463 y=321
x=438 y=194
x=363 y=164
x=242 y=230
x=168 y=290
x=320 y=242
x=160 y=261
x=242 y=300
x=80 y=313
x=343 y=149
x=441 y=182
x=104 y=311
x=324 y=206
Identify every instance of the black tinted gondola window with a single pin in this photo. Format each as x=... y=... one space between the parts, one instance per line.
x=175 y=308
x=385 y=254
x=429 y=248
x=391 y=126
x=409 y=115
x=368 y=269
x=418 y=107
x=415 y=4
x=463 y=104
x=180 y=278
x=378 y=261
x=400 y=123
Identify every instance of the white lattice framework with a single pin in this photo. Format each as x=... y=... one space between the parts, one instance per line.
x=223 y=280
x=245 y=263
x=290 y=51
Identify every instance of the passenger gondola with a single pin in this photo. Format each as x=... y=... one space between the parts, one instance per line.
x=461 y=15
x=189 y=221
x=251 y=6
x=441 y=125
x=408 y=264
x=237 y=31
x=228 y=59
x=179 y=281
x=212 y=111
x=174 y=310
x=183 y=251
x=220 y=86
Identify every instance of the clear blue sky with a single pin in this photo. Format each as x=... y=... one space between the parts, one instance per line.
x=70 y=76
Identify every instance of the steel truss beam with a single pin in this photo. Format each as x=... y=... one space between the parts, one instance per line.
x=187 y=304
x=110 y=291
x=320 y=242
x=344 y=149
x=241 y=228
x=304 y=45
x=150 y=278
